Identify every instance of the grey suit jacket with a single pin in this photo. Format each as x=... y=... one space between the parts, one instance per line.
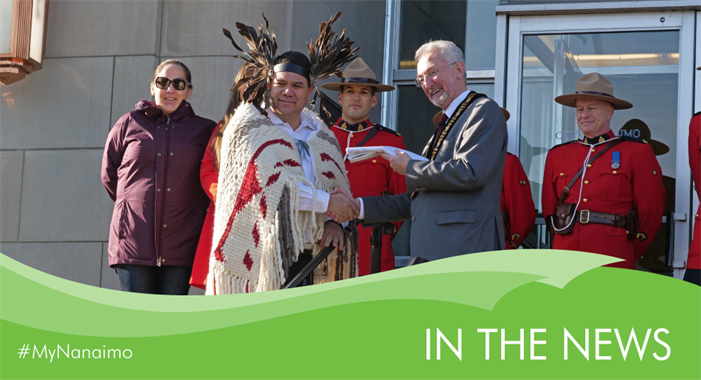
x=457 y=210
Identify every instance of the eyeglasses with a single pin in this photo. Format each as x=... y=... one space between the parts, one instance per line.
x=420 y=80
x=178 y=84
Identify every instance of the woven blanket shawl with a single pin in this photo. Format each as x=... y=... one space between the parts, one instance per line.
x=258 y=228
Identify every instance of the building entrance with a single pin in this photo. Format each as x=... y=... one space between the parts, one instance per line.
x=644 y=58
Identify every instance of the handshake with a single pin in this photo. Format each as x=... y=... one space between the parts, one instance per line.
x=342 y=206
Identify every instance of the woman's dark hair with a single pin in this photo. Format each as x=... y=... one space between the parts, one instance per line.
x=296 y=58
x=167 y=62
x=244 y=73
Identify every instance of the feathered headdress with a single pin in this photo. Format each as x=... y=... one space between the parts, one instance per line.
x=262 y=48
x=327 y=55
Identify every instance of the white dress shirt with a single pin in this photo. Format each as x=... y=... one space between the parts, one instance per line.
x=306 y=198
x=455 y=103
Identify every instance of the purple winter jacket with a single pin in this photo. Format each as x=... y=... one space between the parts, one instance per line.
x=150 y=169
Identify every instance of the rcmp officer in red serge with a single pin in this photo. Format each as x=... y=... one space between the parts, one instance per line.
x=603 y=193
x=517 y=208
x=693 y=261
x=368 y=177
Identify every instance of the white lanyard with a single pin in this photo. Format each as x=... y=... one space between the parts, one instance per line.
x=581 y=183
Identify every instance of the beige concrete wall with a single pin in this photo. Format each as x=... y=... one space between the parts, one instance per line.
x=100 y=55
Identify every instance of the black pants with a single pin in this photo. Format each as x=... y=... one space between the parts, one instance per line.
x=304 y=258
x=693 y=276
x=168 y=279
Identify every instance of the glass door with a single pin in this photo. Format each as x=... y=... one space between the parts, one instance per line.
x=643 y=56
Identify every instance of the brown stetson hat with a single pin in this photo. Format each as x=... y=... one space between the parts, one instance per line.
x=437 y=117
x=506 y=113
x=593 y=86
x=358 y=73
x=659 y=148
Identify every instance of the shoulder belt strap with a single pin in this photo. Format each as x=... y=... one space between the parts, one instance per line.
x=579 y=173
x=368 y=136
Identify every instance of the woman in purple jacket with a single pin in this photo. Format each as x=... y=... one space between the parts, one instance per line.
x=150 y=168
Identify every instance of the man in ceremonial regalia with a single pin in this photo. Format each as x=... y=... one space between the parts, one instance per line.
x=278 y=168
x=357 y=96
x=603 y=193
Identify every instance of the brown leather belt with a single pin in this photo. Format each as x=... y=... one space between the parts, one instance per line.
x=586 y=216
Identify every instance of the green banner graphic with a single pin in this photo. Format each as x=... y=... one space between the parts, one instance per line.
x=531 y=314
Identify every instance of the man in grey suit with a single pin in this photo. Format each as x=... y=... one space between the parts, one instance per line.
x=453 y=198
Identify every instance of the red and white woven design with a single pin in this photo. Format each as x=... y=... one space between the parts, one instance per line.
x=258 y=229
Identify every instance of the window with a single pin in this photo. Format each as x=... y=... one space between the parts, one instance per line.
x=470 y=24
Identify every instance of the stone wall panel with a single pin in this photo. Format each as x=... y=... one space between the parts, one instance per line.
x=79 y=262
x=10 y=193
x=87 y=28
x=66 y=104
x=63 y=198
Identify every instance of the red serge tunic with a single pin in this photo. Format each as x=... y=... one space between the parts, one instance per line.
x=516 y=199
x=209 y=178
x=694 y=259
x=371 y=177
x=635 y=185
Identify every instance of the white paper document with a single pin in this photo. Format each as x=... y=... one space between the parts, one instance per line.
x=365 y=152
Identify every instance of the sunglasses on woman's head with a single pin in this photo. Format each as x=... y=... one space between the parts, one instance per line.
x=178 y=84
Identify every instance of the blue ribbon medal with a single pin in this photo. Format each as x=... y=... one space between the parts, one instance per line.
x=616 y=160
